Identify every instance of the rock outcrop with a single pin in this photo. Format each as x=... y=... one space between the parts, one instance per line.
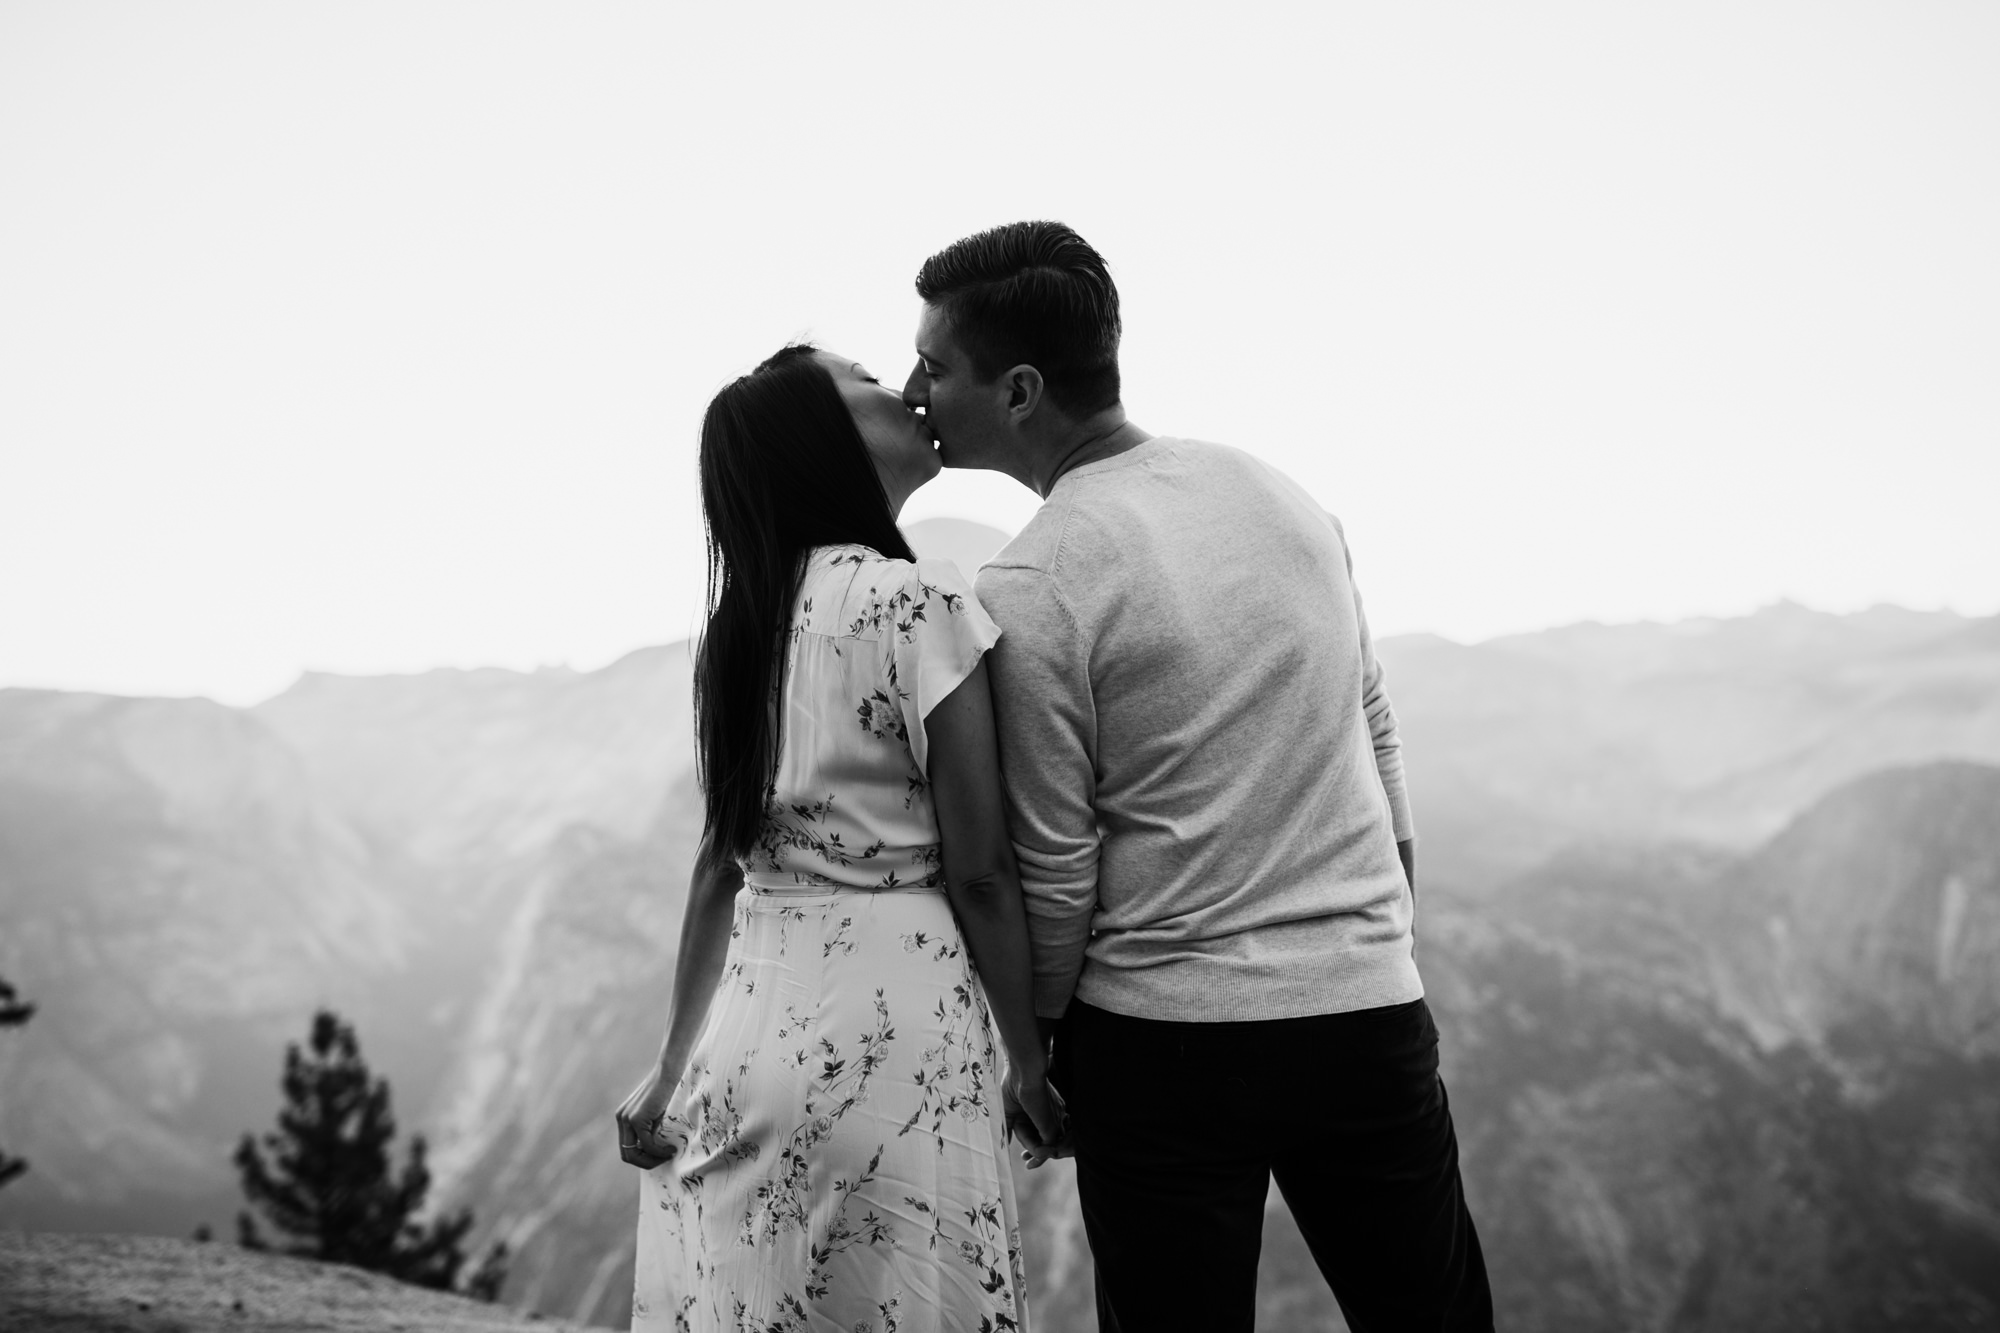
x=152 y=1284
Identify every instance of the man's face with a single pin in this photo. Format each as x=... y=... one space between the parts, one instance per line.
x=969 y=417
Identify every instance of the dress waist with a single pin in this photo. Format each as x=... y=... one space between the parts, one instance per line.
x=786 y=886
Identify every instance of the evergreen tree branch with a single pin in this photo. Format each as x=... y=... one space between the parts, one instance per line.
x=323 y=1177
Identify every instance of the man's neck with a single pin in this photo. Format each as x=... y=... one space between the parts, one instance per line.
x=1103 y=436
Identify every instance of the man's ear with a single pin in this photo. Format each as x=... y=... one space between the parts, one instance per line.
x=1024 y=391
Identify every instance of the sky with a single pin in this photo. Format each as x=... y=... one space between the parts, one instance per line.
x=375 y=337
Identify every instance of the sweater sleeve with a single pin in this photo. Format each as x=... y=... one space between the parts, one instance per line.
x=1381 y=715
x=1047 y=723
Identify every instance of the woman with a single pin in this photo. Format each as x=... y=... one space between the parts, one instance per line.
x=823 y=1134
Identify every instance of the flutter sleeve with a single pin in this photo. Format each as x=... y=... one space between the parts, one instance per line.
x=940 y=632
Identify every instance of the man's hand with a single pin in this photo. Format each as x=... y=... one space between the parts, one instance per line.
x=1035 y=1116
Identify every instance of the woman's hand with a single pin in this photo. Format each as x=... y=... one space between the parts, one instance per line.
x=711 y=903
x=642 y=1140
x=1035 y=1116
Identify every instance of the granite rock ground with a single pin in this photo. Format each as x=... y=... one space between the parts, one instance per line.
x=154 y=1284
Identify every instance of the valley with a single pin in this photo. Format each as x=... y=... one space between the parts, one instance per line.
x=1710 y=918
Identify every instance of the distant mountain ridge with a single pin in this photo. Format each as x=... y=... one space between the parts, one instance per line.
x=966 y=544
x=485 y=870
x=1717 y=730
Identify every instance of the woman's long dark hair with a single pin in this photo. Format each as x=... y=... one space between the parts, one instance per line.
x=783 y=470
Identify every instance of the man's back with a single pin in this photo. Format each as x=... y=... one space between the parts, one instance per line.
x=1200 y=763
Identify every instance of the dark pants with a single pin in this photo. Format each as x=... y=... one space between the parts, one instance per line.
x=1179 y=1128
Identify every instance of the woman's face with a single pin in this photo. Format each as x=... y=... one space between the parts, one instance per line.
x=899 y=441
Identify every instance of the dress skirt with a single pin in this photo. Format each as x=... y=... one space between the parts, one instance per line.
x=842 y=1163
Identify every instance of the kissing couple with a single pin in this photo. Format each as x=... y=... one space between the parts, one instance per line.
x=1107 y=851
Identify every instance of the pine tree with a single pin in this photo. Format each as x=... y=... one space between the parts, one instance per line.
x=323 y=1178
x=487 y=1279
x=13 y=1013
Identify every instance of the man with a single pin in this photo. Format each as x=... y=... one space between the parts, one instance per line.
x=1206 y=796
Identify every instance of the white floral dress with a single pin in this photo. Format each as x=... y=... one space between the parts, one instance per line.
x=842 y=1164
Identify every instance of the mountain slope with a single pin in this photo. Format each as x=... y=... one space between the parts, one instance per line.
x=1876 y=915
x=572 y=1020
x=1715 y=730
x=134 y=835
x=1730 y=1094
x=1693 y=1076
x=1656 y=1134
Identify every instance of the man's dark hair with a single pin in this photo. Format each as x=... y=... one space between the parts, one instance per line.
x=1032 y=293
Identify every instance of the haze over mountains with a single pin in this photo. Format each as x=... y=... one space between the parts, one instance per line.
x=1710 y=918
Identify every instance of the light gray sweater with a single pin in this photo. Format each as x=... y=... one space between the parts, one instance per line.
x=1201 y=766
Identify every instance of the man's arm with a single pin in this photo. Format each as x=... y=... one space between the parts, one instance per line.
x=1382 y=729
x=1047 y=723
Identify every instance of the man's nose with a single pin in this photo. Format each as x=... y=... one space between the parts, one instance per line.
x=915 y=394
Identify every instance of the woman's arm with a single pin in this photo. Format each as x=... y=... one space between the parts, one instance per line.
x=985 y=887
x=711 y=906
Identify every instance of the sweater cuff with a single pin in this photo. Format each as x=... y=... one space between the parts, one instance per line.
x=1400 y=818
x=1055 y=988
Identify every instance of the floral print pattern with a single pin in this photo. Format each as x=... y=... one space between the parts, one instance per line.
x=841 y=1160
x=874 y=644
x=841 y=1155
